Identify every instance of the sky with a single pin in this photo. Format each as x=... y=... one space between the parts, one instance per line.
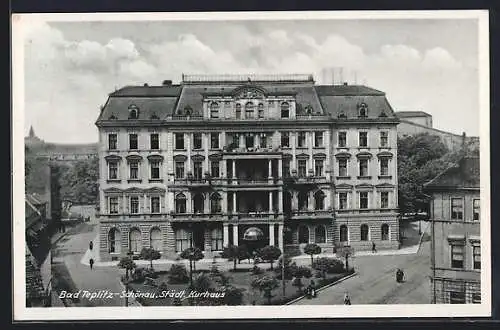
x=70 y=68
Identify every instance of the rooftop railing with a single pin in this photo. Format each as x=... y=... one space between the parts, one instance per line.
x=218 y=78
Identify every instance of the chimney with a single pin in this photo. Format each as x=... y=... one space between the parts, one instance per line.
x=167 y=82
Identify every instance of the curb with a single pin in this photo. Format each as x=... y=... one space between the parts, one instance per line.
x=324 y=287
x=422 y=236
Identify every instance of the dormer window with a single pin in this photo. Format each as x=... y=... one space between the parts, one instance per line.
x=363 y=110
x=188 y=111
x=285 y=110
x=214 y=110
x=309 y=110
x=112 y=117
x=249 y=110
x=342 y=114
x=154 y=116
x=133 y=112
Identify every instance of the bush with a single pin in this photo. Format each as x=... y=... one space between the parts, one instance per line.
x=163 y=286
x=140 y=274
x=328 y=265
x=318 y=275
x=178 y=274
x=256 y=270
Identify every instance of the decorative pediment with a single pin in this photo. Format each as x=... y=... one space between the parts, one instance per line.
x=319 y=156
x=385 y=154
x=456 y=239
x=302 y=156
x=364 y=186
x=155 y=158
x=385 y=186
x=198 y=157
x=343 y=155
x=249 y=92
x=364 y=154
x=180 y=158
x=134 y=158
x=134 y=190
x=287 y=156
x=343 y=186
x=113 y=158
x=217 y=156
x=112 y=190
x=155 y=190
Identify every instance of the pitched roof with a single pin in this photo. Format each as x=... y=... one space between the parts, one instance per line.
x=406 y=114
x=464 y=174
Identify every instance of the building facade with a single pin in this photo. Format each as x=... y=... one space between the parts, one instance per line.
x=456 y=243
x=259 y=160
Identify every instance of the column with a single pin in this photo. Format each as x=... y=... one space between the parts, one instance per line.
x=234 y=202
x=225 y=203
x=235 y=234
x=270 y=202
x=242 y=140
x=293 y=138
x=223 y=169
x=280 y=236
x=225 y=235
x=234 y=168
x=188 y=147
x=310 y=201
x=295 y=202
x=207 y=147
x=280 y=168
x=271 y=234
x=270 y=168
x=280 y=201
x=256 y=141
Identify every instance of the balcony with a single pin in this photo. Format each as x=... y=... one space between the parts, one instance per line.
x=196 y=217
x=311 y=214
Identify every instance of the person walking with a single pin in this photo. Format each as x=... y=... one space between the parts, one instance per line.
x=91 y=246
x=374 y=247
x=91 y=263
x=347 y=299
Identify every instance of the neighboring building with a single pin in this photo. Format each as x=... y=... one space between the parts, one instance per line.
x=456 y=244
x=260 y=160
x=416 y=122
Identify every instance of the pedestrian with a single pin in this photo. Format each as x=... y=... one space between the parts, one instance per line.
x=374 y=248
x=91 y=246
x=91 y=263
x=347 y=299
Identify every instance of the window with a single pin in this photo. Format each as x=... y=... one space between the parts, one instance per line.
x=261 y=110
x=363 y=167
x=155 y=169
x=214 y=168
x=263 y=141
x=363 y=110
x=302 y=167
x=318 y=139
x=112 y=141
x=179 y=140
x=342 y=200
x=303 y=234
x=288 y=233
x=365 y=232
x=198 y=170
x=182 y=240
x=113 y=205
x=363 y=200
x=476 y=257
x=155 y=204
x=303 y=200
x=384 y=139
x=249 y=110
x=113 y=170
x=318 y=167
x=457 y=297
x=457 y=256
x=363 y=139
x=476 y=298
x=384 y=232
x=154 y=141
x=134 y=204
x=214 y=110
x=286 y=168
x=114 y=241
x=180 y=203
x=238 y=111
x=384 y=166
x=198 y=203
x=135 y=240
x=197 y=144
x=155 y=239
x=384 y=199
x=285 y=110
x=132 y=139
x=476 y=207
x=179 y=170
x=344 y=234
x=343 y=167
x=320 y=234
x=301 y=139
x=214 y=140
x=134 y=170
x=319 y=200
x=285 y=139
x=457 y=208
x=215 y=203
x=342 y=139
x=249 y=141
x=217 y=239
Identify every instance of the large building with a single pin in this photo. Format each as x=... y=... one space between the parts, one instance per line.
x=456 y=243
x=254 y=160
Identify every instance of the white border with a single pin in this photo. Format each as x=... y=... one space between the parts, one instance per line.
x=243 y=312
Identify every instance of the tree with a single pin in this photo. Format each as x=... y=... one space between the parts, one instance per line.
x=345 y=253
x=128 y=264
x=235 y=253
x=192 y=254
x=269 y=253
x=298 y=274
x=80 y=182
x=201 y=282
x=177 y=274
x=233 y=296
x=150 y=254
x=266 y=285
x=312 y=249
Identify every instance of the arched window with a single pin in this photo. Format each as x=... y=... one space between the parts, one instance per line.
x=214 y=110
x=287 y=231
x=114 y=241
x=135 y=240
x=320 y=234
x=249 y=110
x=182 y=240
x=133 y=112
x=261 y=110
x=303 y=234
x=217 y=239
x=344 y=233
x=180 y=203
x=303 y=201
x=215 y=203
x=365 y=232
x=198 y=203
x=319 y=200
x=238 y=111
x=285 y=110
x=363 y=110
x=155 y=239
x=384 y=231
